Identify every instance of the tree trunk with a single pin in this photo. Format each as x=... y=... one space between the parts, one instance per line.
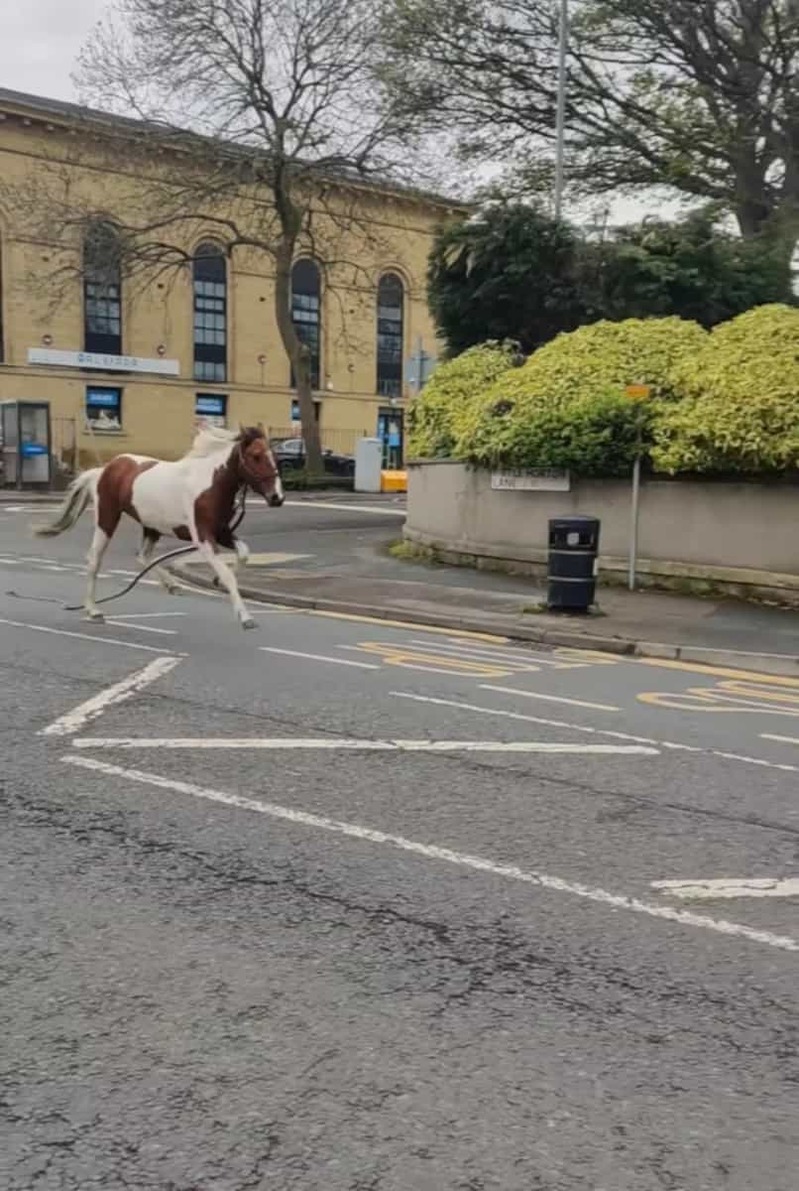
x=300 y=360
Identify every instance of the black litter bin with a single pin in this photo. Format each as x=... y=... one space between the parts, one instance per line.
x=573 y=551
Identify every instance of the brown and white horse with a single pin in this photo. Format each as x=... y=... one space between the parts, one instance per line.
x=192 y=499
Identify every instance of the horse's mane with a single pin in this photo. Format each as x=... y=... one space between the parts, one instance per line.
x=209 y=440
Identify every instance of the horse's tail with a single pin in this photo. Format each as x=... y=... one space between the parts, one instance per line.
x=79 y=493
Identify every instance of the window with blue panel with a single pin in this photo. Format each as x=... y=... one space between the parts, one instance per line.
x=103 y=408
x=212 y=408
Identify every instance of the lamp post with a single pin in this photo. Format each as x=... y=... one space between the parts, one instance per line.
x=560 y=108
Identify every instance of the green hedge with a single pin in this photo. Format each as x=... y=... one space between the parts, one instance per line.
x=447 y=396
x=740 y=399
x=566 y=406
x=724 y=401
x=593 y=436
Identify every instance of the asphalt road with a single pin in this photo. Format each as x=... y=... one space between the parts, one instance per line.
x=361 y=907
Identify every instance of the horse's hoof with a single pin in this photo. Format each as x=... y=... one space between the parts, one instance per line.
x=95 y=617
x=249 y=623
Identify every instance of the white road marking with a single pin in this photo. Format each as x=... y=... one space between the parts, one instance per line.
x=40 y=628
x=534 y=719
x=142 y=628
x=274 y=558
x=317 y=657
x=509 y=690
x=36 y=508
x=74 y=720
x=779 y=739
x=354 y=745
x=726 y=888
x=344 y=508
x=145 y=615
x=614 y=901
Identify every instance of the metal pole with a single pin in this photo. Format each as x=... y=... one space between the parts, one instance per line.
x=560 y=111
x=633 y=555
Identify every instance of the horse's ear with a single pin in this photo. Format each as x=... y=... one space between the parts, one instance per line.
x=262 y=428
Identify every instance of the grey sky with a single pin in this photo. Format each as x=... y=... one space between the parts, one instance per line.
x=40 y=42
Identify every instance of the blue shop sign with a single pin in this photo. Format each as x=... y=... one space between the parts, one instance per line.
x=102 y=397
x=211 y=405
x=33 y=448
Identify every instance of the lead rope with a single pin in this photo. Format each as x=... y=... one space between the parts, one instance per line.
x=162 y=559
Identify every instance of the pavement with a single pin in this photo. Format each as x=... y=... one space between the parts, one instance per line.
x=350 y=904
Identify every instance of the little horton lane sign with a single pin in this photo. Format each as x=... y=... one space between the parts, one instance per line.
x=540 y=479
x=101 y=361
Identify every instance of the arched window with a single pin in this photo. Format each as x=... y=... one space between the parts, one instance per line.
x=306 y=312
x=102 y=290
x=210 y=313
x=390 y=308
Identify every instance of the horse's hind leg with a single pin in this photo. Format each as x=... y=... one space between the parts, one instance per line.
x=96 y=551
x=149 y=541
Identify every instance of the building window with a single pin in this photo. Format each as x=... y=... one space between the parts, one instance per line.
x=306 y=312
x=102 y=290
x=390 y=307
x=103 y=408
x=295 y=410
x=212 y=408
x=210 y=314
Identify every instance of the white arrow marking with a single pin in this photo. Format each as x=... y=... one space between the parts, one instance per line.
x=493 y=868
x=724 y=887
x=65 y=725
x=346 y=743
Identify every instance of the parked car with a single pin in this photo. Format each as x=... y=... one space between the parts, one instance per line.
x=290 y=456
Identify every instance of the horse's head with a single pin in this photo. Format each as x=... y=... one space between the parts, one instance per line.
x=257 y=466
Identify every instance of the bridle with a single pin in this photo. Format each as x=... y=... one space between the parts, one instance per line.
x=249 y=477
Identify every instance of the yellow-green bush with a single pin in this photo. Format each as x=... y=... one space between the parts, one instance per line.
x=580 y=375
x=740 y=399
x=597 y=435
x=452 y=388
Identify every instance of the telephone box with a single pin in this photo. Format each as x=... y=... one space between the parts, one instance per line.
x=26 y=444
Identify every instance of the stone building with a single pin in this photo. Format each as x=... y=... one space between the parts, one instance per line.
x=129 y=366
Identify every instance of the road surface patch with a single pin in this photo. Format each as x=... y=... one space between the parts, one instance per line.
x=126 y=688
x=613 y=901
x=41 y=628
x=533 y=719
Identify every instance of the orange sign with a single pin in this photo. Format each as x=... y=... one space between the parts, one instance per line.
x=638 y=392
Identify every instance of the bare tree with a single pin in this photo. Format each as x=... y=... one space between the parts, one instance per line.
x=700 y=96
x=268 y=115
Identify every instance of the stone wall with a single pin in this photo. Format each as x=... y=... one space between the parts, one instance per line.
x=732 y=535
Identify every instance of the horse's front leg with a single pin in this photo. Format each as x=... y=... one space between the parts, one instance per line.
x=207 y=548
x=241 y=551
